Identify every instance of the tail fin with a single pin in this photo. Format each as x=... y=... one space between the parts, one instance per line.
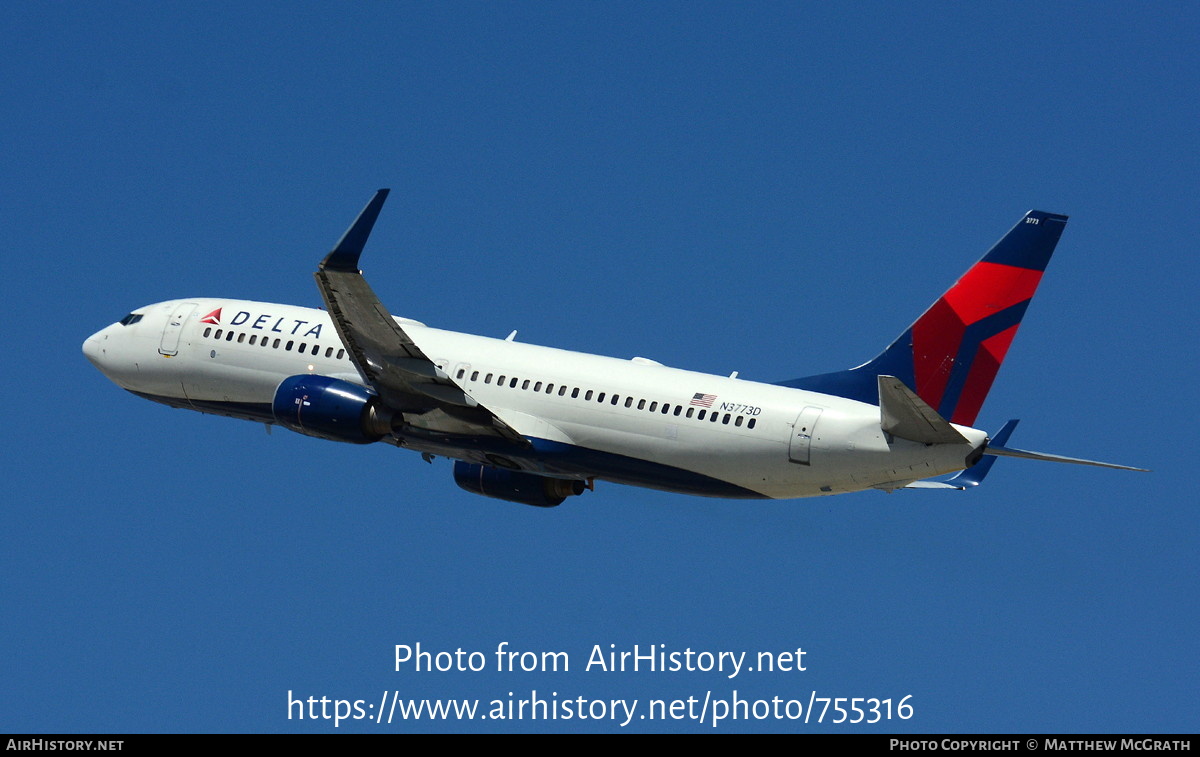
x=950 y=356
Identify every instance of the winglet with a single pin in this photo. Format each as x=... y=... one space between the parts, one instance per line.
x=346 y=252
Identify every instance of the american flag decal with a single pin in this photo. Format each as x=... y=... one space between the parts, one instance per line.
x=703 y=400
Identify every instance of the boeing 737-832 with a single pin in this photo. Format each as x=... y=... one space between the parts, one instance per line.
x=535 y=424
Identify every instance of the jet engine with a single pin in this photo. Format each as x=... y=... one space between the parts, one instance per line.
x=514 y=486
x=330 y=408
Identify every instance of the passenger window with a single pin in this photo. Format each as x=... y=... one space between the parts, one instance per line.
x=462 y=372
x=678 y=410
x=302 y=348
x=500 y=381
x=700 y=415
x=600 y=397
x=588 y=395
x=487 y=379
x=218 y=334
x=714 y=417
x=725 y=420
x=208 y=331
x=229 y=336
x=653 y=406
x=512 y=383
x=629 y=402
x=750 y=423
x=574 y=392
x=241 y=338
x=666 y=408
x=525 y=384
x=549 y=388
x=737 y=421
x=253 y=339
x=289 y=344
x=615 y=398
x=276 y=345
x=328 y=352
x=341 y=353
x=562 y=391
x=689 y=412
x=537 y=387
x=474 y=375
x=641 y=404
x=316 y=350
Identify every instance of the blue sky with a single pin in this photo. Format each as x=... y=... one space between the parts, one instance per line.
x=777 y=189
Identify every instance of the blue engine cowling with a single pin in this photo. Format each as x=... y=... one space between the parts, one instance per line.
x=329 y=408
x=514 y=486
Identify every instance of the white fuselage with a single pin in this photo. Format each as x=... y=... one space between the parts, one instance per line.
x=629 y=421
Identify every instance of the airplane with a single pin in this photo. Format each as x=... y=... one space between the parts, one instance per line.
x=536 y=425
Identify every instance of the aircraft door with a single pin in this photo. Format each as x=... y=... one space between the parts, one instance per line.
x=800 y=446
x=169 y=345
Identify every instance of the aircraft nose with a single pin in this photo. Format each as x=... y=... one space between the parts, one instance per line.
x=95 y=349
x=91 y=349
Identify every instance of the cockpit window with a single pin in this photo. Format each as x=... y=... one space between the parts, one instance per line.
x=130 y=319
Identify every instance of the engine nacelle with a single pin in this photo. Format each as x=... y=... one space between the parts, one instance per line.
x=329 y=408
x=514 y=486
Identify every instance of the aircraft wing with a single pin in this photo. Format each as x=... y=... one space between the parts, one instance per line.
x=388 y=360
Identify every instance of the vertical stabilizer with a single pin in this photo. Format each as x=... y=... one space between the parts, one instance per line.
x=951 y=354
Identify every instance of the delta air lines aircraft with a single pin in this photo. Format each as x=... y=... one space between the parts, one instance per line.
x=536 y=425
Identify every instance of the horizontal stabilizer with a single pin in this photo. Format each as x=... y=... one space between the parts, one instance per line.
x=972 y=476
x=995 y=449
x=902 y=413
x=933 y=485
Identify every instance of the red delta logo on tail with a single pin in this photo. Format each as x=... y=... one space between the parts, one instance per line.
x=960 y=342
x=951 y=354
x=214 y=317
